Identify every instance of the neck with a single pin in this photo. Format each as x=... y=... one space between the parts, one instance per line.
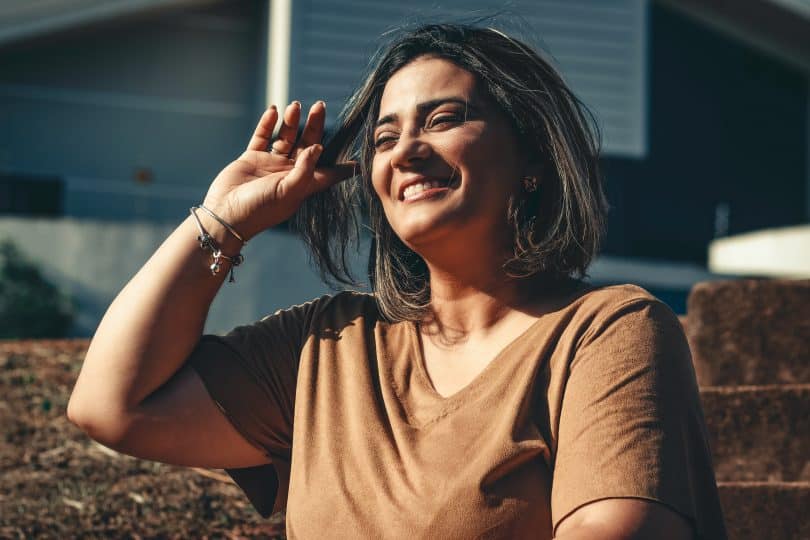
x=469 y=302
x=472 y=299
x=470 y=292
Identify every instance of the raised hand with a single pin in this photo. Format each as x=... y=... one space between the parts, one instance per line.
x=269 y=181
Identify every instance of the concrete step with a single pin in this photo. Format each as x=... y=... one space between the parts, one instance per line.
x=766 y=510
x=759 y=433
x=750 y=331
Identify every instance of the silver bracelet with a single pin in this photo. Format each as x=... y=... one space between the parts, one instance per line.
x=223 y=223
x=207 y=243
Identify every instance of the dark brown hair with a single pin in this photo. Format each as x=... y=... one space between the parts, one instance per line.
x=557 y=228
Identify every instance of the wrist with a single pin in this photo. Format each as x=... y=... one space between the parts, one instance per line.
x=220 y=223
x=233 y=213
x=224 y=240
x=219 y=239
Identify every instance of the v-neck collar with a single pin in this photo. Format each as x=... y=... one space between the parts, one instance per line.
x=423 y=405
x=492 y=365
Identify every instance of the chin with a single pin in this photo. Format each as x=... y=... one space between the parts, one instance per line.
x=427 y=230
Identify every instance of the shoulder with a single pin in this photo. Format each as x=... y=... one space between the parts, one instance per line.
x=346 y=305
x=626 y=312
x=603 y=299
x=333 y=312
x=601 y=304
x=341 y=304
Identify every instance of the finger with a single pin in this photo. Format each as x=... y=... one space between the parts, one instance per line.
x=327 y=176
x=299 y=179
x=313 y=129
x=288 y=131
x=264 y=130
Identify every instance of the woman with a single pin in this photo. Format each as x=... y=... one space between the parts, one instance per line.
x=483 y=390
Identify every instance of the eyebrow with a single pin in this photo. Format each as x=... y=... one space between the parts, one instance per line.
x=421 y=108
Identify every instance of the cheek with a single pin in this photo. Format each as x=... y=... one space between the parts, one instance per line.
x=478 y=151
x=496 y=162
x=380 y=181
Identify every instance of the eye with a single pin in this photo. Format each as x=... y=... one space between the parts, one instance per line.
x=444 y=118
x=384 y=139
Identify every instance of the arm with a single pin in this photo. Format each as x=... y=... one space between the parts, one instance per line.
x=632 y=453
x=624 y=519
x=134 y=393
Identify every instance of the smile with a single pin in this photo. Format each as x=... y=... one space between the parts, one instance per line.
x=421 y=189
x=415 y=189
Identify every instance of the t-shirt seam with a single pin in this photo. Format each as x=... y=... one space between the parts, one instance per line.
x=231 y=418
x=597 y=324
x=691 y=517
x=246 y=366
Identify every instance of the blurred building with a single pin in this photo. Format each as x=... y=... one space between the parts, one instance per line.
x=115 y=117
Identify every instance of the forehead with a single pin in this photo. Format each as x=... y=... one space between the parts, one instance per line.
x=424 y=79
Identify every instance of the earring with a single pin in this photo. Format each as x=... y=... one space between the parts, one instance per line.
x=530 y=184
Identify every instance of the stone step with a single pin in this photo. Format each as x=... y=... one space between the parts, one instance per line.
x=750 y=331
x=766 y=510
x=759 y=433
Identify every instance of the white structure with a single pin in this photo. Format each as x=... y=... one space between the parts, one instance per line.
x=781 y=252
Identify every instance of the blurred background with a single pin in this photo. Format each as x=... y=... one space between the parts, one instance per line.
x=116 y=115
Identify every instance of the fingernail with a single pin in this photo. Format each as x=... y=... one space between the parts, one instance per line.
x=272 y=107
x=317 y=149
x=297 y=104
x=322 y=102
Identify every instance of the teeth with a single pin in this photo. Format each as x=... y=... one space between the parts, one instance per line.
x=414 y=189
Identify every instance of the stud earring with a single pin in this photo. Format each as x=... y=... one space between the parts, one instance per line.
x=530 y=184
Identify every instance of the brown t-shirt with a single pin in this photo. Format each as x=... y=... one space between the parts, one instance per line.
x=597 y=399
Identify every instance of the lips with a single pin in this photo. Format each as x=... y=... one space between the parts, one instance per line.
x=412 y=187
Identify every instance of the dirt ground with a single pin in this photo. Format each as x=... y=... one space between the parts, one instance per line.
x=57 y=483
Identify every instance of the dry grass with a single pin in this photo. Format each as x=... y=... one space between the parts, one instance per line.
x=56 y=483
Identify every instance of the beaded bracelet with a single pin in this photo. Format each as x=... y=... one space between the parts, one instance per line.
x=207 y=243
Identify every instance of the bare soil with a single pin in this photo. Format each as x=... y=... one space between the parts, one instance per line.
x=57 y=483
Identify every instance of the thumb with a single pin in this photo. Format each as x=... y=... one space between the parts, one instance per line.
x=300 y=178
x=326 y=176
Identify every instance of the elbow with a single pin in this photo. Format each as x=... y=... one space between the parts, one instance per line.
x=104 y=427
x=76 y=414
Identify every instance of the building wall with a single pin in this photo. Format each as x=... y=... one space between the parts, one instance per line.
x=728 y=146
x=136 y=117
x=92 y=260
x=598 y=45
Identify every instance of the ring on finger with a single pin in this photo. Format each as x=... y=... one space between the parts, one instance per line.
x=279 y=152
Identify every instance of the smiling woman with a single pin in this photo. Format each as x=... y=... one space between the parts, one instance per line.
x=483 y=389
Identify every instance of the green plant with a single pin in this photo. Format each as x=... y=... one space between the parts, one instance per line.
x=30 y=306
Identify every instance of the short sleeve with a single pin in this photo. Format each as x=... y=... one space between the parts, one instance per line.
x=251 y=375
x=631 y=423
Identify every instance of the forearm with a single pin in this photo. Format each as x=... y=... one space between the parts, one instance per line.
x=152 y=325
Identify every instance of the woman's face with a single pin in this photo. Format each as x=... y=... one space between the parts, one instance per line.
x=446 y=160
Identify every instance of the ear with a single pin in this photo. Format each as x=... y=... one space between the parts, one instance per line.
x=532 y=178
x=530 y=184
x=536 y=168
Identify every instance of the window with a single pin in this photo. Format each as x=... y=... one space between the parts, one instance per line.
x=31 y=196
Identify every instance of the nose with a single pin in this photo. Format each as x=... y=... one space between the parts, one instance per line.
x=408 y=151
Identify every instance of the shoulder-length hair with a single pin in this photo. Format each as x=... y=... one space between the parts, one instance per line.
x=557 y=228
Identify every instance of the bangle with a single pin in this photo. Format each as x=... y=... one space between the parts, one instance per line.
x=208 y=244
x=223 y=223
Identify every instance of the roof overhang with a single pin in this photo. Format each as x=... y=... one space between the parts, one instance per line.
x=22 y=20
x=780 y=28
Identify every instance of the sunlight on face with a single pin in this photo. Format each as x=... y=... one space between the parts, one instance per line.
x=447 y=161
